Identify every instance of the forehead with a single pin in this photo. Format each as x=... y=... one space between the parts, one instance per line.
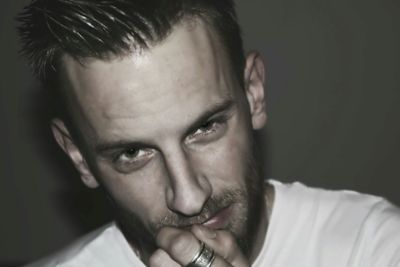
x=176 y=78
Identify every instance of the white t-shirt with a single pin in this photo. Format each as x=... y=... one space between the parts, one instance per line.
x=321 y=228
x=309 y=228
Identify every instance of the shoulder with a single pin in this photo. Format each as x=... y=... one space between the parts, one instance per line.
x=365 y=227
x=378 y=241
x=105 y=246
x=331 y=202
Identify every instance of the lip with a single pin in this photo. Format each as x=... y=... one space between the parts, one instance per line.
x=220 y=219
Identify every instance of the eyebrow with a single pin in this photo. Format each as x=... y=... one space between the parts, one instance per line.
x=222 y=107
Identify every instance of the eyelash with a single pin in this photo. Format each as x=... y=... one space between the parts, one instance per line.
x=119 y=155
x=211 y=127
x=208 y=127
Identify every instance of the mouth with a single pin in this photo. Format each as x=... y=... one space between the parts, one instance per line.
x=220 y=219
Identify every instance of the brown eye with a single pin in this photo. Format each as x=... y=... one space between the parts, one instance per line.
x=209 y=131
x=133 y=156
x=132 y=159
x=130 y=153
x=206 y=128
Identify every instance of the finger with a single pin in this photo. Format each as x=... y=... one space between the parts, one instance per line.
x=220 y=262
x=181 y=245
x=161 y=258
x=223 y=243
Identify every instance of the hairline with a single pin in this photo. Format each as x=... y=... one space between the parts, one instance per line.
x=189 y=20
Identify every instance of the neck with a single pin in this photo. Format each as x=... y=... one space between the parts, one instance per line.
x=266 y=211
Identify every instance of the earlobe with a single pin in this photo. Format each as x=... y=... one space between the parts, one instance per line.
x=64 y=140
x=254 y=78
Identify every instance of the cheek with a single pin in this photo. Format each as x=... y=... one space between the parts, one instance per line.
x=225 y=162
x=140 y=192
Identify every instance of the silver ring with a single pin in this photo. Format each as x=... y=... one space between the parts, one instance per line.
x=203 y=258
x=211 y=261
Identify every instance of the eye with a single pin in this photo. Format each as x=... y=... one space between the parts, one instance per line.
x=208 y=131
x=132 y=158
x=206 y=128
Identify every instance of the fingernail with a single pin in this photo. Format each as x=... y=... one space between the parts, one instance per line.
x=209 y=233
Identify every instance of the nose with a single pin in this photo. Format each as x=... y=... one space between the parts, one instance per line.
x=188 y=190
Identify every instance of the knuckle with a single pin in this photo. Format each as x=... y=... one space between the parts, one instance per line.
x=228 y=243
x=181 y=244
x=163 y=232
x=227 y=239
x=156 y=259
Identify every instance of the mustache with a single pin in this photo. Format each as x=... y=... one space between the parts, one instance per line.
x=213 y=205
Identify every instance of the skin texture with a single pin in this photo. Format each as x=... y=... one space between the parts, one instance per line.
x=168 y=134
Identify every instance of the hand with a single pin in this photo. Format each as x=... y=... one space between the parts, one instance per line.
x=177 y=247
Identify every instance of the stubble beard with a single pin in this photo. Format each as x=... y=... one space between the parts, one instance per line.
x=244 y=224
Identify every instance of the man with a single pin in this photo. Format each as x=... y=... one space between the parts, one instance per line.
x=156 y=104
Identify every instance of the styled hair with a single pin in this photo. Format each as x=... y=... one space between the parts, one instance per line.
x=97 y=28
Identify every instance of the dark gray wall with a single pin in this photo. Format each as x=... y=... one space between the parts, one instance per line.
x=333 y=92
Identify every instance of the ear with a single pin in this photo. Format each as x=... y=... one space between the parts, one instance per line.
x=254 y=78
x=64 y=140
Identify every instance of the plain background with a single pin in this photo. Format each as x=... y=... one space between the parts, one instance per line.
x=333 y=84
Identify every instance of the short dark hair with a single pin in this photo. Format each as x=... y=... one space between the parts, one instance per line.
x=96 y=28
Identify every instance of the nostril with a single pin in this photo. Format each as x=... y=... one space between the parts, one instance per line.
x=187 y=200
x=187 y=190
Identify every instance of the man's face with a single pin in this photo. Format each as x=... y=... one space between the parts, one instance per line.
x=167 y=133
